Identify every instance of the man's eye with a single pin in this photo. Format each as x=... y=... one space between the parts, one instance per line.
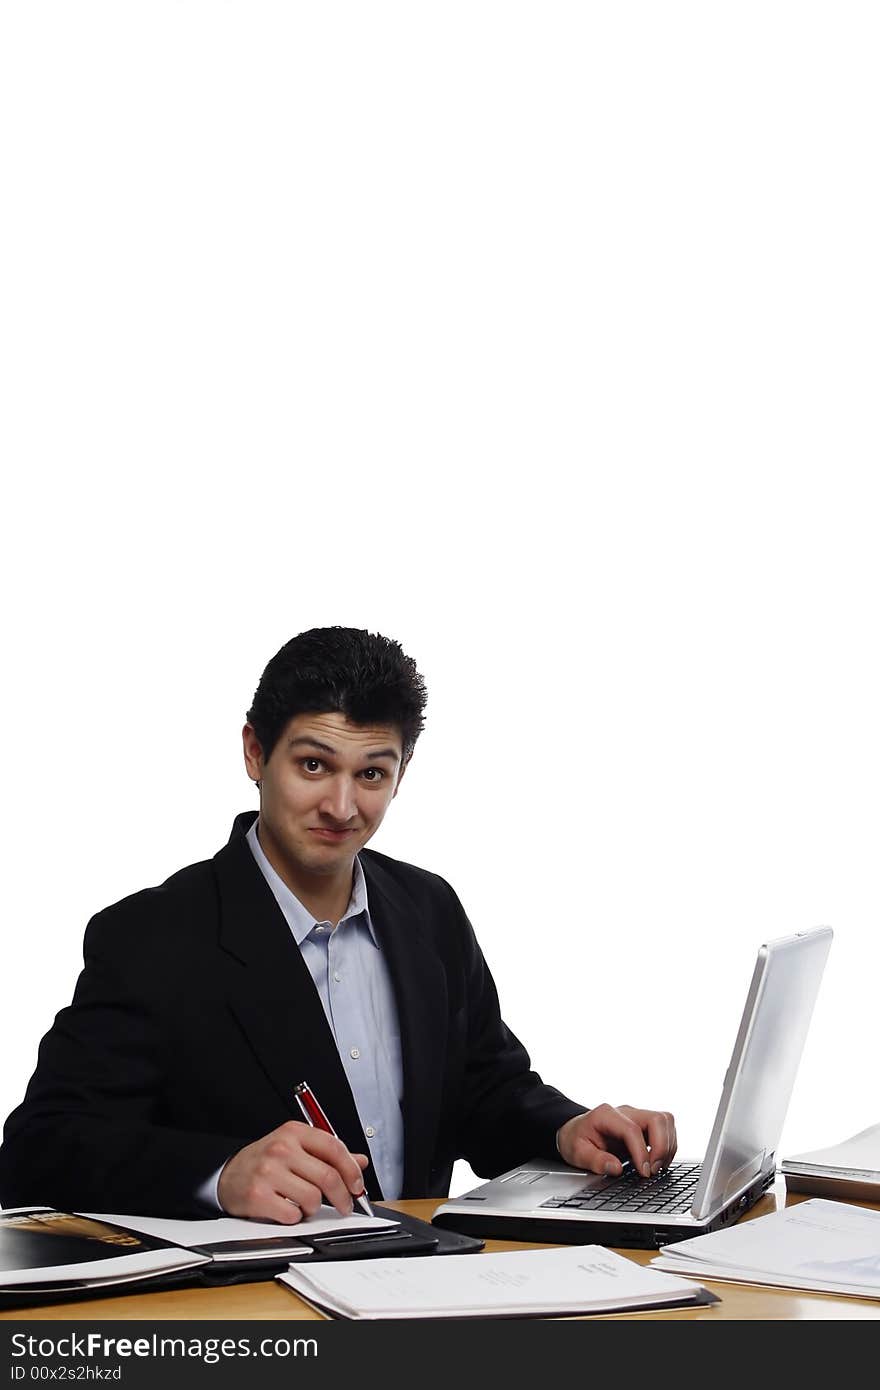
x=312 y=764
x=372 y=774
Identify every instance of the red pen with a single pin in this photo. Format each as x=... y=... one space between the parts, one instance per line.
x=314 y=1115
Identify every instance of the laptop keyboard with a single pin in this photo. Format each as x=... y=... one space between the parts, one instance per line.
x=670 y=1191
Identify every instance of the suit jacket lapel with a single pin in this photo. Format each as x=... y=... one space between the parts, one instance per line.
x=275 y=1000
x=420 y=989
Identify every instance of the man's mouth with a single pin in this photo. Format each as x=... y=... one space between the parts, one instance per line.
x=331 y=836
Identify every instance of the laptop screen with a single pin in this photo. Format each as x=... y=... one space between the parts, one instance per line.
x=761 y=1075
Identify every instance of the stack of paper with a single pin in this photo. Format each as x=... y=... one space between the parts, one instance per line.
x=850 y=1169
x=534 y=1283
x=829 y=1247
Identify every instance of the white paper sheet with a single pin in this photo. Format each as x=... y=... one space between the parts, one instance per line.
x=858 y=1157
x=223 y=1228
x=579 y=1279
x=137 y=1265
x=820 y=1245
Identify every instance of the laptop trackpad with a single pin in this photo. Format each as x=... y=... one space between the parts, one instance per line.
x=525 y=1188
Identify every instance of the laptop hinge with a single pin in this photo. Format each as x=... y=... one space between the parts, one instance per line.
x=743 y=1176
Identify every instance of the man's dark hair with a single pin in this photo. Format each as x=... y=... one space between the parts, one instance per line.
x=348 y=670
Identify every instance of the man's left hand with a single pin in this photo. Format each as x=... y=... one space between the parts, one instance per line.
x=597 y=1140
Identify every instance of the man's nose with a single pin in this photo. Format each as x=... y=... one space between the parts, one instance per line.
x=339 y=801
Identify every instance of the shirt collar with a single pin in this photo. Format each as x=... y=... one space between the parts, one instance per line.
x=298 y=917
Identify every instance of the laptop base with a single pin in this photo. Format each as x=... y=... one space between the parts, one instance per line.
x=623 y=1235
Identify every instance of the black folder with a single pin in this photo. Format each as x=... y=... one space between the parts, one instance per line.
x=40 y=1238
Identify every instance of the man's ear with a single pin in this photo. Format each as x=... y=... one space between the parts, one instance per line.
x=403 y=767
x=253 y=753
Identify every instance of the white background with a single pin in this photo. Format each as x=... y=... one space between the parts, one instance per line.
x=542 y=337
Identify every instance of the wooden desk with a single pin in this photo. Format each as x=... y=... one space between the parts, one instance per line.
x=270 y=1300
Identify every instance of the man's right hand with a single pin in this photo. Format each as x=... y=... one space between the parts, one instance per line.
x=287 y=1174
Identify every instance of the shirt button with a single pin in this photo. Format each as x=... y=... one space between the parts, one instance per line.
x=336 y=975
x=355 y=1053
x=369 y=1131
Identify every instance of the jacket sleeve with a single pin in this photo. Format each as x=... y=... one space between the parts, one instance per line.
x=88 y=1135
x=506 y=1113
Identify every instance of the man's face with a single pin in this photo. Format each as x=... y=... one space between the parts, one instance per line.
x=325 y=790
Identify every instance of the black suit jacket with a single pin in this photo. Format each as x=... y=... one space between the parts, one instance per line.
x=195 y=1016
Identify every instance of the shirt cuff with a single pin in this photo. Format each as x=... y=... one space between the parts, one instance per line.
x=207 y=1192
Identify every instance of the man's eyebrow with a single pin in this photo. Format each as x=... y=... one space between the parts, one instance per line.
x=304 y=741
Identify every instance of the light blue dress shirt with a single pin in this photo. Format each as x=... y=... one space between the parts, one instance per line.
x=351 y=976
x=353 y=982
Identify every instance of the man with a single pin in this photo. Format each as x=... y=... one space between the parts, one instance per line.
x=296 y=954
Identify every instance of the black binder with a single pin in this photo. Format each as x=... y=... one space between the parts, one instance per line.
x=68 y=1240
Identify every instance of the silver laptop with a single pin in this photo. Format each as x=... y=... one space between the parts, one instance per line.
x=548 y=1201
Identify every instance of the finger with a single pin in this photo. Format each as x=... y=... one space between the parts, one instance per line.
x=659 y=1128
x=262 y=1204
x=320 y=1182
x=594 y=1159
x=297 y=1193
x=331 y=1151
x=364 y=1162
x=270 y=1191
x=282 y=1159
x=671 y=1139
x=323 y=1159
x=276 y=1208
x=588 y=1141
x=593 y=1156
x=620 y=1125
